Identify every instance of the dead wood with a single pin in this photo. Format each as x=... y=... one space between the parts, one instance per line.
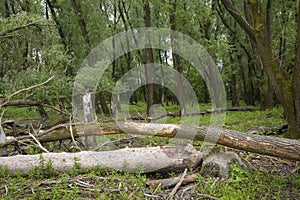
x=201 y=112
x=275 y=130
x=266 y=145
x=168 y=182
x=148 y=159
x=219 y=164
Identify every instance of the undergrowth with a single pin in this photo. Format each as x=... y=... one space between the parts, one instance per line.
x=267 y=179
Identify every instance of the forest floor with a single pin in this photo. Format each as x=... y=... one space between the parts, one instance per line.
x=266 y=177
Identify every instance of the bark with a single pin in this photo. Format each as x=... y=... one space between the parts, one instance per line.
x=56 y=20
x=235 y=13
x=286 y=90
x=88 y=107
x=103 y=104
x=296 y=77
x=281 y=85
x=176 y=61
x=127 y=159
x=7 y=12
x=2 y=134
x=149 y=59
x=266 y=145
x=82 y=24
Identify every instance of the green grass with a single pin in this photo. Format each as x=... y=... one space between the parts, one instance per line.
x=245 y=185
x=238 y=120
x=102 y=184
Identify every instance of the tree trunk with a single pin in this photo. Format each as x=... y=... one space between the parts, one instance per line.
x=286 y=90
x=282 y=87
x=127 y=159
x=103 y=104
x=56 y=20
x=88 y=103
x=267 y=145
x=176 y=62
x=149 y=60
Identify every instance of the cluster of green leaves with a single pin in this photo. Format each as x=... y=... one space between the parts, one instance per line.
x=33 y=54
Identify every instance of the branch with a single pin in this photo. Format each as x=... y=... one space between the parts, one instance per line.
x=20 y=27
x=24 y=90
x=2 y=134
x=235 y=13
x=171 y=195
x=37 y=141
x=30 y=88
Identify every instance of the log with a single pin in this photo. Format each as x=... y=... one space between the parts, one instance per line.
x=266 y=145
x=148 y=159
x=201 y=112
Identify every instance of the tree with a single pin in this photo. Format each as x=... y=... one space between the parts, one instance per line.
x=286 y=87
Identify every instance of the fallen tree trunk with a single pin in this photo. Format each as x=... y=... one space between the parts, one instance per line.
x=266 y=145
x=148 y=159
x=201 y=112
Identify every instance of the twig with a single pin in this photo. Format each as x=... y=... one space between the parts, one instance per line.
x=171 y=195
x=72 y=135
x=207 y=196
x=156 y=189
x=151 y=195
x=186 y=189
x=65 y=112
x=30 y=88
x=39 y=144
x=2 y=134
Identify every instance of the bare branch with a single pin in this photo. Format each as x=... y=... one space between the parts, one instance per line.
x=30 y=88
x=38 y=143
x=171 y=195
x=72 y=135
x=2 y=134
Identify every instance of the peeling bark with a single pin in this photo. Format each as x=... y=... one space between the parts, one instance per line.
x=148 y=159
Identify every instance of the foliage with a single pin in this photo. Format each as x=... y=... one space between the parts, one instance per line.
x=40 y=39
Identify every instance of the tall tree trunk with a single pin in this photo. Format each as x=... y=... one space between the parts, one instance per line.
x=176 y=61
x=56 y=20
x=286 y=90
x=162 y=78
x=296 y=81
x=103 y=103
x=149 y=59
x=7 y=12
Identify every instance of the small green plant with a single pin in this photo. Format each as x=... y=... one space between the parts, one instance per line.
x=76 y=168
